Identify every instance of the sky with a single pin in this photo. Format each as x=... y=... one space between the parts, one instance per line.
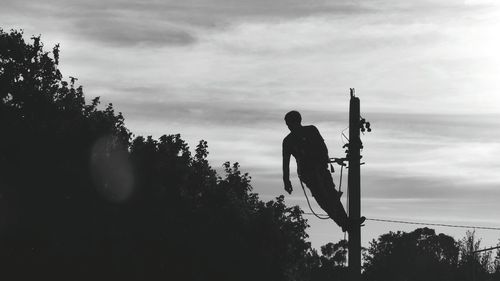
x=226 y=71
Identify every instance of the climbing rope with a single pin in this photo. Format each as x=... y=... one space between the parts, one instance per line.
x=322 y=217
x=326 y=217
x=340 y=180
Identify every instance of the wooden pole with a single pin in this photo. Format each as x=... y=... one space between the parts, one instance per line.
x=354 y=244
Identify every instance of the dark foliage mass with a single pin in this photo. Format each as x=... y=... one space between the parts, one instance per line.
x=80 y=199
x=424 y=255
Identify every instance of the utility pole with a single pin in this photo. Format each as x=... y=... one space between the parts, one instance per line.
x=353 y=156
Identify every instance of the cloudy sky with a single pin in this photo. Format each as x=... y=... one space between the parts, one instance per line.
x=227 y=71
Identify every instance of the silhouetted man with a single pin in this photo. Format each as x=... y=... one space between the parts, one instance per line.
x=309 y=149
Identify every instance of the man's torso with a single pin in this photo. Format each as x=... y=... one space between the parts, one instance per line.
x=306 y=146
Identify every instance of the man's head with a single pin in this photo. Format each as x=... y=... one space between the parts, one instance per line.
x=293 y=120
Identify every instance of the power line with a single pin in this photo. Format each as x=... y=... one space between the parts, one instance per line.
x=435 y=224
x=343 y=135
x=487 y=249
x=432 y=224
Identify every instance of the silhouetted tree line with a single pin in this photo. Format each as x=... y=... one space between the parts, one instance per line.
x=424 y=255
x=81 y=198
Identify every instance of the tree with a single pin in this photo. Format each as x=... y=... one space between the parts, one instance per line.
x=418 y=255
x=496 y=265
x=80 y=200
x=332 y=262
x=473 y=265
x=48 y=133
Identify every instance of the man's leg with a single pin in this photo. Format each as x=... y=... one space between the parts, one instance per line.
x=332 y=197
x=323 y=190
x=327 y=181
x=335 y=202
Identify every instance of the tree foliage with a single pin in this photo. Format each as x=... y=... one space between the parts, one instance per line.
x=475 y=265
x=332 y=264
x=424 y=255
x=82 y=200
x=418 y=255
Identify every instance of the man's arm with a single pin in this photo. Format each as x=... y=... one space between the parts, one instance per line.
x=286 y=168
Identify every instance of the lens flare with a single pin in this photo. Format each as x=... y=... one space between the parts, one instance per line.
x=111 y=169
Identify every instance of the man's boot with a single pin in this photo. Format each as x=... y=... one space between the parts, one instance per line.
x=350 y=224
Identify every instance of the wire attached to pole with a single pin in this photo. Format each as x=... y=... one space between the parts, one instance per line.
x=340 y=180
x=309 y=204
x=322 y=217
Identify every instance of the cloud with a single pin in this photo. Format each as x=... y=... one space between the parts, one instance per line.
x=165 y=23
x=409 y=57
x=113 y=23
x=202 y=113
x=153 y=23
x=434 y=127
x=123 y=31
